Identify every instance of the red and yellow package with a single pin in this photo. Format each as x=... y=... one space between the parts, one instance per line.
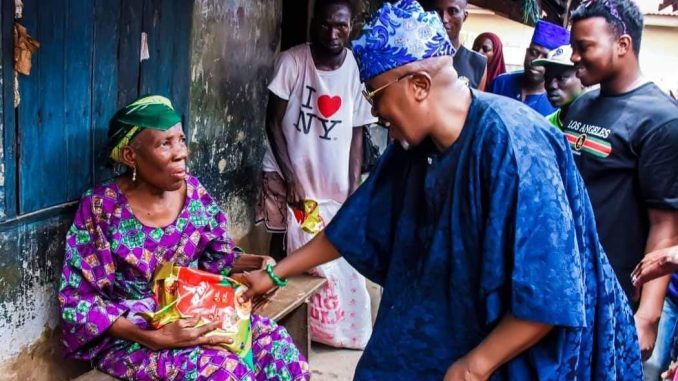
x=309 y=219
x=183 y=292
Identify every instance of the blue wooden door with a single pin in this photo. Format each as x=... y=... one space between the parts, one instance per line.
x=86 y=68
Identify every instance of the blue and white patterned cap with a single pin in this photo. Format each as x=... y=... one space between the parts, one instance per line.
x=558 y=56
x=398 y=34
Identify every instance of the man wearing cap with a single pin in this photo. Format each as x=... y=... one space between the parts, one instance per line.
x=477 y=225
x=561 y=82
x=527 y=85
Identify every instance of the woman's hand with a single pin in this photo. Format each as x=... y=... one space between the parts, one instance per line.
x=183 y=333
x=267 y=261
x=655 y=265
x=258 y=283
x=462 y=370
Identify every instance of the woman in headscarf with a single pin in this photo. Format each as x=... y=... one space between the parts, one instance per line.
x=127 y=228
x=489 y=45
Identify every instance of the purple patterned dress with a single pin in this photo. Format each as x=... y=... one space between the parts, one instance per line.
x=110 y=260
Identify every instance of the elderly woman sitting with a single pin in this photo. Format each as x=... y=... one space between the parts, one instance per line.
x=128 y=227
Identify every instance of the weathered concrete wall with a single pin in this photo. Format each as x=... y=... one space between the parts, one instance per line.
x=30 y=262
x=234 y=46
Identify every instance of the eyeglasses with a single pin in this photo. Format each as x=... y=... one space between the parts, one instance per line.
x=369 y=95
x=611 y=8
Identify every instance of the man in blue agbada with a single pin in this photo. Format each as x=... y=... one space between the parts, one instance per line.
x=477 y=225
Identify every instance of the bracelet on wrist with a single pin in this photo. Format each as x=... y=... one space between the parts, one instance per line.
x=278 y=282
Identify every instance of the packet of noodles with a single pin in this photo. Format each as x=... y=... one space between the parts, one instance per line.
x=309 y=218
x=183 y=292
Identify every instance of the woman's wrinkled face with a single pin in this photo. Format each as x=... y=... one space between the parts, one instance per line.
x=486 y=48
x=160 y=157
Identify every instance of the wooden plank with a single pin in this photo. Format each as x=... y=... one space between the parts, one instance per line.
x=128 y=56
x=2 y=120
x=77 y=104
x=43 y=149
x=297 y=325
x=151 y=68
x=181 y=57
x=165 y=34
x=27 y=114
x=288 y=298
x=105 y=81
x=167 y=72
x=57 y=133
x=7 y=108
x=31 y=114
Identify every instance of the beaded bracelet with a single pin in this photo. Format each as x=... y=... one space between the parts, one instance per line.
x=278 y=282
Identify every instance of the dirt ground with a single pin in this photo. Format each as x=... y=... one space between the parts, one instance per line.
x=329 y=363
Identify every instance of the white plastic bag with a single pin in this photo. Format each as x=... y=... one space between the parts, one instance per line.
x=340 y=311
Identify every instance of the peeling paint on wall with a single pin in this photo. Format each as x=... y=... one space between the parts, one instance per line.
x=234 y=47
x=29 y=269
x=42 y=361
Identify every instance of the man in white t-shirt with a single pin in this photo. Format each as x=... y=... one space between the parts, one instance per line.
x=314 y=122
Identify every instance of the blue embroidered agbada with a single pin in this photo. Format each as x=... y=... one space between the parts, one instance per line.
x=498 y=223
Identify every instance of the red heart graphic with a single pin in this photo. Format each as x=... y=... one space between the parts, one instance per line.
x=328 y=106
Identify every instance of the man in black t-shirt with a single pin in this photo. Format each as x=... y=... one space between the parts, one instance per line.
x=469 y=65
x=625 y=140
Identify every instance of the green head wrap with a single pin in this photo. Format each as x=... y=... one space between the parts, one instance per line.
x=153 y=111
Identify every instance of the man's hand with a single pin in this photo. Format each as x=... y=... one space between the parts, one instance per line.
x=671 y=372
x=295 y=193
x=183 y=333
x=462 y=370
x=258 y=283
x=647 y=334
x=663 y=234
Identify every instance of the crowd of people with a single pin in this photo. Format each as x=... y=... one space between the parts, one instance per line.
x=522 y=225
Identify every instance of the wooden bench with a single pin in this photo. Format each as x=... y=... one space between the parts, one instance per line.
x=288 y=307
